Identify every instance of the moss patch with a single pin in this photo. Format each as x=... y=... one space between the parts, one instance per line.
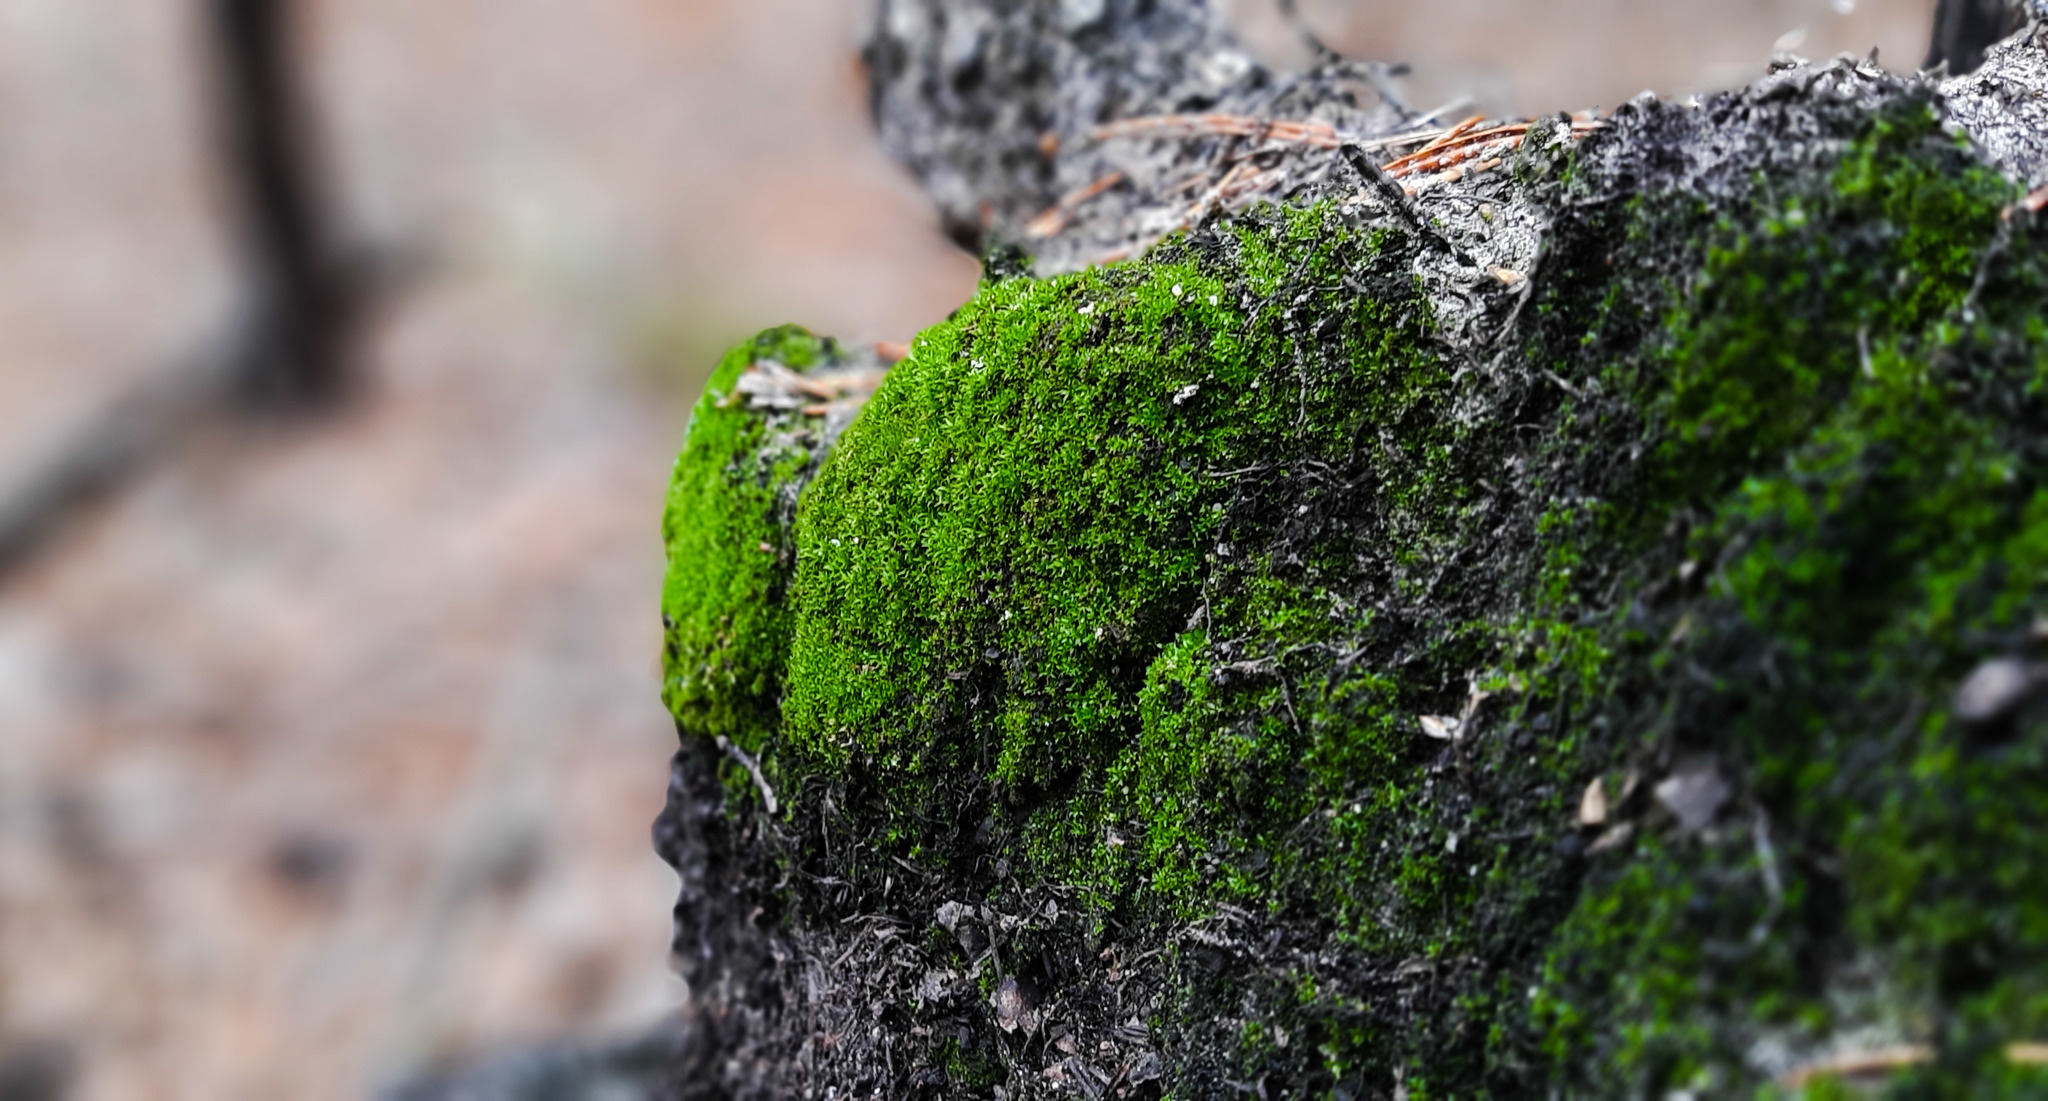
x=726 y=528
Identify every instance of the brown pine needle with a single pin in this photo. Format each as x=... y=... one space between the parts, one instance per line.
x=1055 y=218
x=1891 y=1059
x=1448 y=136
x=2027 y=1054
x=1859 y=1064
x=1319 y=134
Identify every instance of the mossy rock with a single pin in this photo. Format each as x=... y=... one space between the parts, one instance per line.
x=1254 y=668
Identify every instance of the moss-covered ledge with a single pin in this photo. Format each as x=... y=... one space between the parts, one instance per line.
x=1277 y=665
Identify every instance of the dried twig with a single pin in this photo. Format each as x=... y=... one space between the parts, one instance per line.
x=1320 y=135
x=1859 y=1063
x=1452 y=151
x=1397 y=200
x=753 y=768
x=1056 y=218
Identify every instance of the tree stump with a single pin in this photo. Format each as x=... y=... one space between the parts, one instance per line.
x=1369 y=605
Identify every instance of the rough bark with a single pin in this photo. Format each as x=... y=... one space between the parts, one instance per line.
x=1566 y=618
x=992 y=107
x=1965 y=29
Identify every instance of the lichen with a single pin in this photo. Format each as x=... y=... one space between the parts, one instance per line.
x=1112 y=622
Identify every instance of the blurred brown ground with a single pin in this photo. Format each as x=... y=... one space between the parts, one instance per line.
x=328 y=756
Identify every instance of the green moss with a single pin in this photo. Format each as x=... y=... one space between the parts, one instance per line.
x=1129 y=589
x=1859 y=504
x=727 y=531
x=1047 y=564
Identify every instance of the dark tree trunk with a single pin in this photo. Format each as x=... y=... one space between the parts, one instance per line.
x=289 y=352
x=1964 y=29
x=298 y=360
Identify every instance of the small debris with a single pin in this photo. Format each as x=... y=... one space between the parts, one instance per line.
x=1693 y=793
x=1593 y=804
x=1615 y=837
x=954 y=918
x=1473 y=698
x=1859 y=1064
x=1015 y=1004
x=766 y=384
x=1993 y=689
x=1629 y=784
x=1144 y=1069
x=311 y=865
x=753 y=767
x=936 y=985
x=1317 y=134
x=1055 y=218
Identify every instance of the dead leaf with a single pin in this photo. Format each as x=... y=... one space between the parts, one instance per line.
x=1992 y=689
x=957 y=918
x=1145 y=1068
x=1693 y=793
x=1859 y=1064
x=1615 y=837
x=1440 y=727
x=1593 y=804
x=1015 y=1005
x=1473 y=698
x=936 y=985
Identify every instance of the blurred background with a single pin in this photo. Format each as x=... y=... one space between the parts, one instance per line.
x=329 y=744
